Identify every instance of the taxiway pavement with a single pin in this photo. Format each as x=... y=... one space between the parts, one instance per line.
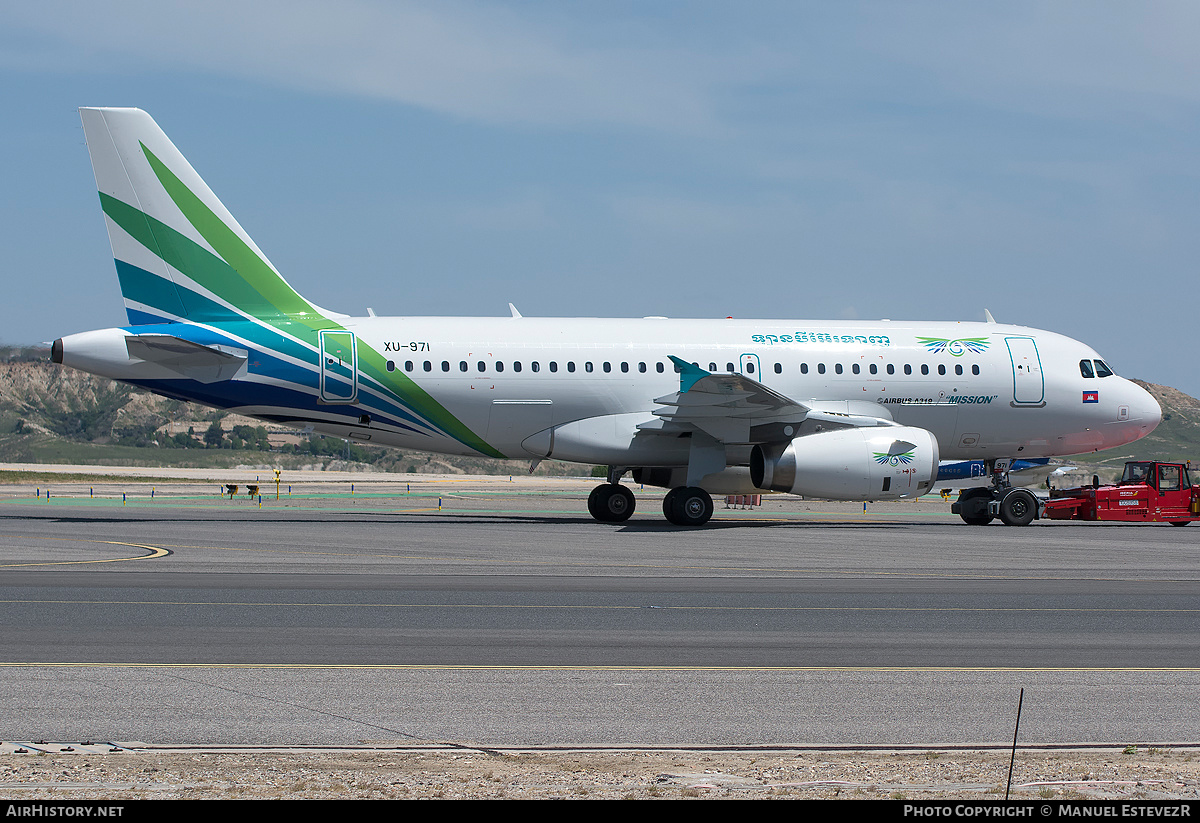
x=448 y=610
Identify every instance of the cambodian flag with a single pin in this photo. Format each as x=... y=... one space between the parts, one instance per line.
x=1091 y=397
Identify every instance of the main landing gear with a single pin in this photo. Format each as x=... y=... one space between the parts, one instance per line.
x=981 y=505
x=611 y=503
x=684 y=505
x=688 y=506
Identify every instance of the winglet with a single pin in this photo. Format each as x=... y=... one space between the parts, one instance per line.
x=689 y=373
x=514 y=311
x=987 y=316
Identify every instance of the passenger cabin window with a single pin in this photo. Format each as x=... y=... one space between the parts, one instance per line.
x=516 y=365
x=391 y=365
x=624 y=367
x=481 y=366
x=874 y=369
x=462 y=365
x=587 y=367
x=427 y=366
x=975 y=369
x=891 y=369
x=924 y=368
x=820 y=368
x=941 y=368
x=804 y=368
x=445 y=365
x=712 y=366
x=1085 y=368
x=779 y=368
x=855 y=368
x=749 y=368
x=553 y=366
x=958 y=369
x=838 y=368
x=535 y=366
x=907 y=368
x=499 y=366
x=607 y=367
x=642 y=368
x=659 y=367
x=571 y=366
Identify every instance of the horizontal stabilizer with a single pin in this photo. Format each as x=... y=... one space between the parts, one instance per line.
x=205 y=364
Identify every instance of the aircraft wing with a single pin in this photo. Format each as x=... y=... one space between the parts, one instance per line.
x=194 y=361
x=733 y=408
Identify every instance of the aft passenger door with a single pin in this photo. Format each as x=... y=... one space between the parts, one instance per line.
x=339 y=366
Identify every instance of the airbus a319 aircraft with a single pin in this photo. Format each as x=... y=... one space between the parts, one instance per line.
x=823 y=408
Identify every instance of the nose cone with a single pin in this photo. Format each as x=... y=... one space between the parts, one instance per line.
x=1138 y=413
x=1144 y=409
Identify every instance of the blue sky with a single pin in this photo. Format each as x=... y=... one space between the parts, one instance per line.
x=691 y=159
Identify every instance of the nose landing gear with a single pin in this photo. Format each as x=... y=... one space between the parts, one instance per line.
x=983 y=504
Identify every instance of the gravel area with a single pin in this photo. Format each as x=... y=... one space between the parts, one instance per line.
x=1150 y=774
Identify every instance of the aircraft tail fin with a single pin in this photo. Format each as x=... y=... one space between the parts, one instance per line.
x=179 y=253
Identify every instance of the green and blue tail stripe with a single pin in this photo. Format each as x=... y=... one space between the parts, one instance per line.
x=182 y=260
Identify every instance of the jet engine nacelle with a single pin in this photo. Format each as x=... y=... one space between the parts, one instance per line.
x=868 y=463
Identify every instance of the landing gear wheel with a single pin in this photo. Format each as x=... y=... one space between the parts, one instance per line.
x=1018 y=508
x=611 y=503
x=1180 y=522
x=688 y=506
x=669 y=503
x=973 y=506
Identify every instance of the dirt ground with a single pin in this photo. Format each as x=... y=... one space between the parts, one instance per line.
x=1149 y=774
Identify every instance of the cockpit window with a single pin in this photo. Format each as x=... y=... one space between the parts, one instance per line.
x=1102 y=369
x=1085 y=368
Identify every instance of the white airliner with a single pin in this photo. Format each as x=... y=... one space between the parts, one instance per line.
x=825 y=408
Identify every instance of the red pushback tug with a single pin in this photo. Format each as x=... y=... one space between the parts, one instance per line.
x=1148 y=492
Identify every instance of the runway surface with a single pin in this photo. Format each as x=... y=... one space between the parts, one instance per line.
x=509 y=617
